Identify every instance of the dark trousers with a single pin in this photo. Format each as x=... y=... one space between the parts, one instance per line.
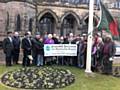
x=74 y=61
x=34 y=61
x=107 y=65
x=9 y=57
x=15 y=56
x=34 y=54
x=26 y=60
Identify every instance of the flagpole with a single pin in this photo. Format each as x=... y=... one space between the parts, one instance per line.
x=89 y=40
x=100 y=14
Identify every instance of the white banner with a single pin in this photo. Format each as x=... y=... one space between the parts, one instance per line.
x=60 y=50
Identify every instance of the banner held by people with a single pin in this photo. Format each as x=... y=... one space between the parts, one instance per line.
x=60 y=50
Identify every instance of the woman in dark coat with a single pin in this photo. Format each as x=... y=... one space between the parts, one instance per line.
x=108 y=53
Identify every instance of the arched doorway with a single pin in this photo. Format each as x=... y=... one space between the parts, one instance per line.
x=69 y=25
x=47 y=23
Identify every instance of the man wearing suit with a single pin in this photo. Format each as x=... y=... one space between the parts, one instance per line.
x=27 y=47
x=16 y=44
x=8 y=48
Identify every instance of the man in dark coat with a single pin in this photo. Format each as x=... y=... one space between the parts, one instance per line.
x=8 y=48
x=38 y=49
x=16 y=44
x=27 y=47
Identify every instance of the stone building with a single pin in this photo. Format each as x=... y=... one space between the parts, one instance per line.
x=52 y=16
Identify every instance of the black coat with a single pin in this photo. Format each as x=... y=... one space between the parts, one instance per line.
x=65 y=41
x=26 y=45
x=55 y=40
x=38 y=46
x=7 y=46
x=16 y=44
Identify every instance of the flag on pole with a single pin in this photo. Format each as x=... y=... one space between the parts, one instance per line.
x=107 y=22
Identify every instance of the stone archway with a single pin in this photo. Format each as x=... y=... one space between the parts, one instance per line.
x=48 y=21
x=70 y=23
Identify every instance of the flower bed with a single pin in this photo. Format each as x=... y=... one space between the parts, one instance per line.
x=38 y=78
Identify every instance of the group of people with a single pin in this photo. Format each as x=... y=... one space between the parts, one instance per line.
x=11 y=48
x=103 y=50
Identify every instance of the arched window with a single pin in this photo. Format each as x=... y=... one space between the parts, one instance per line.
x=47 y=23
x=116 y=4
x=18 y=23
x=30 y=24
x=69 y=25
x=7 y=22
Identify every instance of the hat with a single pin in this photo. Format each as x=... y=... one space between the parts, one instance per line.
x=37 y=33
x=109 y=36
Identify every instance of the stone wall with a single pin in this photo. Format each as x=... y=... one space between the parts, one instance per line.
x=12 y=9
x=2 y=17
x=59 y=12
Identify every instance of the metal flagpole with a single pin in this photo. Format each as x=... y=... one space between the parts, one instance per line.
x=89 y=40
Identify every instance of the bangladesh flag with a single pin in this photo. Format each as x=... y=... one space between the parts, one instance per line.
x=108 y=23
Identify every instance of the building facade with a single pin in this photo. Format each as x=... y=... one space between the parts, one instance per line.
x=52 y=16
